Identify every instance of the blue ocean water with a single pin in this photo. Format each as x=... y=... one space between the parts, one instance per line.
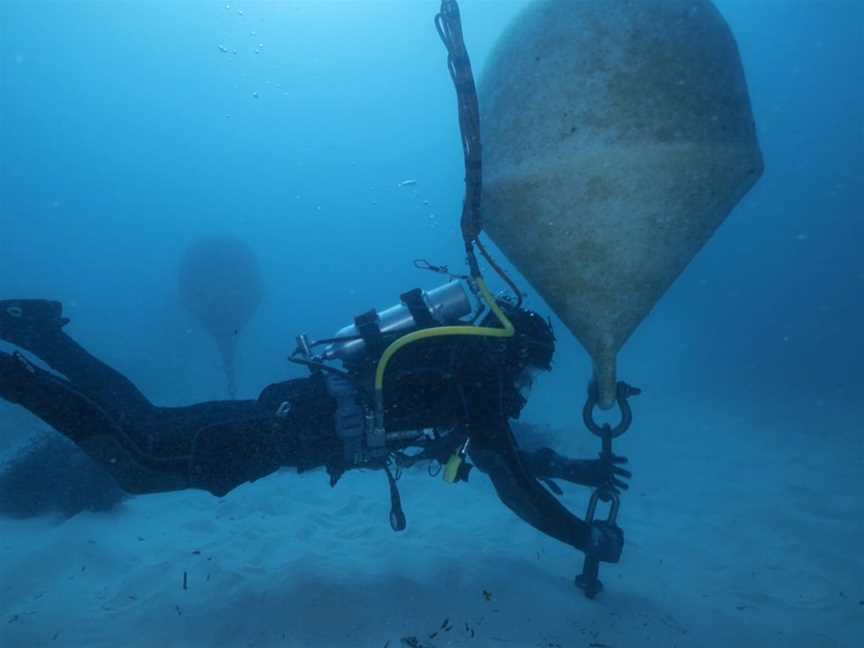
x=127 y=133
x=128 y=130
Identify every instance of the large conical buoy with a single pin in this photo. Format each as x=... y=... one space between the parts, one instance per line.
x=617 y=135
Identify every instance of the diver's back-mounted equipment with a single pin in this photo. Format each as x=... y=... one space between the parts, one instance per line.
x=362 y=343
x=418 y=309
x=373 y=334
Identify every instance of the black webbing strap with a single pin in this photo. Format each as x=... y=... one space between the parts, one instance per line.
x=349 y=418
x=414 y=302
x=369 y=329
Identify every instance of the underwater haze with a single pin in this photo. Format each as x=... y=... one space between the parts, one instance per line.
x=131 y=130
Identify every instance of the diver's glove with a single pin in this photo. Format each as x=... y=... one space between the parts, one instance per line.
x=605 y=472
x=598 y=473
x=606 y=543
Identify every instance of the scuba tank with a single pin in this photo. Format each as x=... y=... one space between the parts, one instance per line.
x=418 y=309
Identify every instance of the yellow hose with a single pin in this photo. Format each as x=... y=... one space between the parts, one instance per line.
x=395 y=346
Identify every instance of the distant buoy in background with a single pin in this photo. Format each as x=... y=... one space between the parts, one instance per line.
x=617 y=136
x=220 y=285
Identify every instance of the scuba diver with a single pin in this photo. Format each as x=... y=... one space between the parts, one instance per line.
x=433 y=379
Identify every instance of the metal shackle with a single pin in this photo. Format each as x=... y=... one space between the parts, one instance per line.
x=622 y=393
x=606 y=496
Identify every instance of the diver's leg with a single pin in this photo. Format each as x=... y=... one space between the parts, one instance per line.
x=213 y=446
x=291 y=425
x=36 y=325
x=84 y=422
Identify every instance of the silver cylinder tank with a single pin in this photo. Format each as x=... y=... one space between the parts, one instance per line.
x=446 y=303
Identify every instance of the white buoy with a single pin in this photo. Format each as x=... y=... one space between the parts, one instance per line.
x=616 y=137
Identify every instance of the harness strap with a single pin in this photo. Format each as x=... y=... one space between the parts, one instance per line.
x=349 y=418
x=369 y=328
x=414 y=302
x=351 y=428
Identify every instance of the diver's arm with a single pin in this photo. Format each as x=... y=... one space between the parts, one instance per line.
x=493 y=451
x=548 y=464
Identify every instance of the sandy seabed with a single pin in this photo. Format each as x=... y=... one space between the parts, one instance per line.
x=742 y=530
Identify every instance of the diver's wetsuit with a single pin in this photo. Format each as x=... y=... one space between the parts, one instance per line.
x=467 y=385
